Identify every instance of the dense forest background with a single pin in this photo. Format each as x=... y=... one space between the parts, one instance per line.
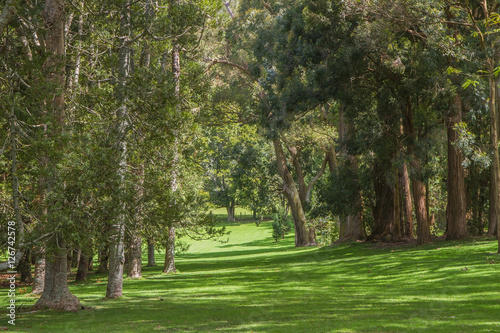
x=125 y=122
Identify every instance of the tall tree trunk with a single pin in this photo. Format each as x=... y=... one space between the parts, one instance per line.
x=304 y=236
x=56 y=294
x=151 y=253
x=352 y=227
x=417 y=184
x=117 y=247
x=456 y=206
x=407 y=202
x=494 y=147
x=169 y=265
x=69 y=258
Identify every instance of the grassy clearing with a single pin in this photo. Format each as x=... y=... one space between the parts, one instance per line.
x=252 y=284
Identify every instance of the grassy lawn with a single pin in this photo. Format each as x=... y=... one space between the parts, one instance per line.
x=252 y=284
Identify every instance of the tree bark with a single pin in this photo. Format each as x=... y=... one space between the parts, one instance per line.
x=134 y=259
x=117 y=246
x=423 y=228
x=56 y=294
x=492 y=217
x=407 y=202
x=383 y=212
x=169 y=265
x=456 y=206
x=231 y=208
x=24 y=267
x=304 y=236
x=103 y=259
x=83 y=268
x=39 y=278
x=151 y=253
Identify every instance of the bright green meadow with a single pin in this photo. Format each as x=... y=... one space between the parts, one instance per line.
x=252 y=284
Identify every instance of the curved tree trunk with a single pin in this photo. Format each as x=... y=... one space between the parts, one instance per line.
x=456 y=206
x=304 y=236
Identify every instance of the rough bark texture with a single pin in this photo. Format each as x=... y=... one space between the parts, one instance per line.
x=494 y=147
x=39 y=278
x=304 y=236
x=56 y=294
x=83 y=268
x=419 y=194
x=134 y=260
x=151 y=253
x=169 y=266
x=456 y=206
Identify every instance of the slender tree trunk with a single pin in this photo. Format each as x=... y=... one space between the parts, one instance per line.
x=383 y=211
x=169 y=266
x=304 y=236
x=456 y=206
x=76 y=258
x=117 y=246
x=151 y=253
x=69 y=258
x=419 y=194
x=91 y=263
x=492 y=217
x=407 y=202
x=494 y=147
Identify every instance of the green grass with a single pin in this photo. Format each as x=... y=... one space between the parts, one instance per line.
x=252 y=284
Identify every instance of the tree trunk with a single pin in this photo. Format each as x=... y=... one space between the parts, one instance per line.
x=352 y=227
x=69 y=258
x=231 y=211
x=419 y=194
x=117 y=246
x=83 y=268
x=492 y=217
x=304 y=236
x=91 y=263
x=494 y=147
x=103 y=259
x=456 y=206
x=56 y=294
x=39 y=278
x=407 y=202
x=169 y=266
x=383 y=212
x=76 y=258
x=134 y=260
x=24 y=267
x=151 y=253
